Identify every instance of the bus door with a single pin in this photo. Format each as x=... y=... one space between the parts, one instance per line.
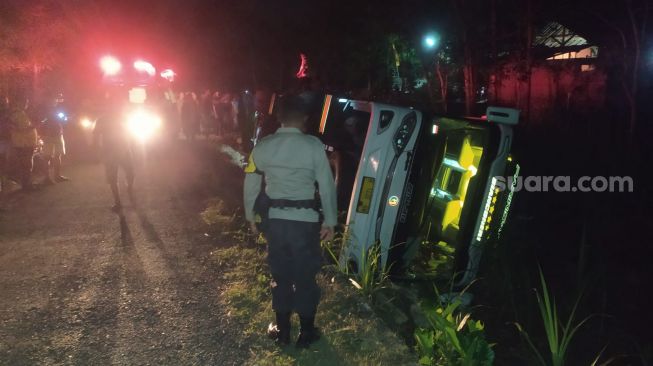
x=454 y=185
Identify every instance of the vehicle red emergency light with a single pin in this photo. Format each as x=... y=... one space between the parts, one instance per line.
x=142 y=72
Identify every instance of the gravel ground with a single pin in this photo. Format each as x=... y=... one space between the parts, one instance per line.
x=83 y=285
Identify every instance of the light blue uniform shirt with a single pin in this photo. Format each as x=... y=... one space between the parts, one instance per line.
x=291 y=162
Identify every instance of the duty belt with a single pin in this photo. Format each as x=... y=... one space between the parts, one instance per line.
x=283 y=203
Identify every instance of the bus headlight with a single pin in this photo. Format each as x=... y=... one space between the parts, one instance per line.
x=143 y=124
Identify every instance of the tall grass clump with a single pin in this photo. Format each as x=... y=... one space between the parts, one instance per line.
x=334 y=250
x=371 y=275
x=559 y=333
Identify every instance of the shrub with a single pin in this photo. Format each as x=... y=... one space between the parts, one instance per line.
x=453 y=338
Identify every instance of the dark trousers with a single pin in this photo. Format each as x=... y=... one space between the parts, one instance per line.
x=294 y=258
x=24 y=158
x=115 y=161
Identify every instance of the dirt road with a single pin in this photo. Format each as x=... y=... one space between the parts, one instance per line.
x=82 y=285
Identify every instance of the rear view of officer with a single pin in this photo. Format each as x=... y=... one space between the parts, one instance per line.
x=291 y=162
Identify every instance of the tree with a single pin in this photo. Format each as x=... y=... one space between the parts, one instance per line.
x=34 y=38
x=444 y=68
x=631 y=30
x=8 y=52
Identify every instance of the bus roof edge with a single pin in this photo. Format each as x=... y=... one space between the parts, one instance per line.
x=508 y=116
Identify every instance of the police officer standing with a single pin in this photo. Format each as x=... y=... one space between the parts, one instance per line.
x=291 y=162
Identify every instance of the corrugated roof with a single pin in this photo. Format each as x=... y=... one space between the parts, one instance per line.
x=556 y=35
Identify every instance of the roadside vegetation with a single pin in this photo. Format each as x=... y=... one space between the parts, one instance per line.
x=367 y=319
x=440 y=330
x=352 y=333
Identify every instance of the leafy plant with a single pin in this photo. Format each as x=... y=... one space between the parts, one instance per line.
x=453 y=338
x=558 y=335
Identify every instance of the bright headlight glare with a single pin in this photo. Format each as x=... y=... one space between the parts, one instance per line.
x=87 y=124
x=143 y=124
x=110 y=65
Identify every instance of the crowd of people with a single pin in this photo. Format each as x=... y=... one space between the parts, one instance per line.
x=29 y=148
x=213 y=112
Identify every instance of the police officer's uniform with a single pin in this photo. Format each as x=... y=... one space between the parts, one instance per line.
x=291 y=162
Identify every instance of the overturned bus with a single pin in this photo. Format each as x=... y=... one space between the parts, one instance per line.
x=426 y=193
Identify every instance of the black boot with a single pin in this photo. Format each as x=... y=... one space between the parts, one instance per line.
x=308 y=333
x=280 y=332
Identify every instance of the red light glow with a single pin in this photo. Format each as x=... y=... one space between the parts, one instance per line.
x=144 y=66
x=168 y=74
x=110 y=65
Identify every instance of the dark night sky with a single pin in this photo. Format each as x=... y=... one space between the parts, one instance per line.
x=233 y=42
x=240 y=43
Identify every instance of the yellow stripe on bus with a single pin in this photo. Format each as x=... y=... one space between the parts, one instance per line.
x=325 y=112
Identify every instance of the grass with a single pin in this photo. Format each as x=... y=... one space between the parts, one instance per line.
x=225 y=224
x=371 y=274
x=558 y=333
x=352 y=333
x=333 y=251
x=215 y=214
